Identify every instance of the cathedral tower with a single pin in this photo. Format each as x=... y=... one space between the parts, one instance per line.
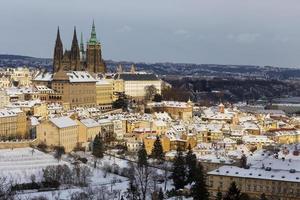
x=75 y=53
x=94 y=61
x=58 y=53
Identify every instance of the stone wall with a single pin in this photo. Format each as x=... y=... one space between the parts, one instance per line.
x=17 y=144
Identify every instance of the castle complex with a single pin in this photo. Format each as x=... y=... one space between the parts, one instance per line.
x=79 y=59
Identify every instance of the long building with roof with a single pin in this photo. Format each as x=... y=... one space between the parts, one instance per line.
x=135 y=83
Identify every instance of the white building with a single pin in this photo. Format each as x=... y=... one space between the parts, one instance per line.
x=135 y=83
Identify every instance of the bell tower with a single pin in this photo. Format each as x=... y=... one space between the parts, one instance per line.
x=94 y=61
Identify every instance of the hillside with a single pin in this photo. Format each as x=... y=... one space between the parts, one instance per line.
x=172 y=69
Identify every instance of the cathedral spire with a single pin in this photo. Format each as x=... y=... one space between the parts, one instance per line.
x=81 y=43
x=74 y=41
x=93 y=39
x=58 y=40
x=75 y=54
x=58 y=52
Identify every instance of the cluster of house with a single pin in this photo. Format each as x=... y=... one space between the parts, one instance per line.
x=70 y=108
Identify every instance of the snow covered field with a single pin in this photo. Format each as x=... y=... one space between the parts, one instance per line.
x=19 y=164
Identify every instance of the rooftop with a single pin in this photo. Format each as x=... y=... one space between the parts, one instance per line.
x=255 y=173
x=63 y=122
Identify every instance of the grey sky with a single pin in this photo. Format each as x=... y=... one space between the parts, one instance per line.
x=263 y=32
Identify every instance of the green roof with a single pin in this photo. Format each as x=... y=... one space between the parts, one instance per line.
x=93 y=40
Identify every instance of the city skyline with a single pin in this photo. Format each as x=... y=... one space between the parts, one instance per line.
x=219 y=32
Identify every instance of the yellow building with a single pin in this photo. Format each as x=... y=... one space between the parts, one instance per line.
x=104 y=91
x=285 y=136
x=149 y=143
x=4 y=98
x=5 y=81
x=135 y=83
x=88 y=129
x=21 y=75
x=78 y=88
x=40 y=110
x=13 y=123
x=137 y=124
x=177 y=110
x=117 y=86
x=275 y=184
x=60 y=131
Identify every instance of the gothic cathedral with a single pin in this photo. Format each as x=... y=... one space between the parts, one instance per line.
x=79 y=59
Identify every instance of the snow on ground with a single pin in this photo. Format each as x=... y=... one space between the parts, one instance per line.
x=19 y=164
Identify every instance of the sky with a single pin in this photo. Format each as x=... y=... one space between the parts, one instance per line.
x=247 y=32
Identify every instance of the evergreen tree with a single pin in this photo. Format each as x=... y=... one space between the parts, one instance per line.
x=243 y=161
x=161 y=194
x=121 y=102
x=98 y=147
x=233 y=192
x=157 y=98
x=179 y=173
x=191 y=165
x=199 y=188
x=219 y=196
x=244 y=196
x=263 y=197
x=142 y=156
x=157 y=151
x=59 y=151
x=132 y=190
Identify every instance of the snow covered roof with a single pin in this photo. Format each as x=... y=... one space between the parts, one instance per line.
x=43 y=88
x=34 y=121
x=102 y=82
x=255 y=173
x=162 y=116
x=177 y=104
x=286 y=132
x=80 y=76
x=7 y=113
x=44 y=77
x=256 y=139
x=24 y=104
x=213 y=158
x=63 y=122
x=89 y=123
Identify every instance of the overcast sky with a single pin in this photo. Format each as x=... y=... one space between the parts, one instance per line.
x=258 y=32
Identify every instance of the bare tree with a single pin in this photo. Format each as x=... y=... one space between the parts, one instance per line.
x=5 y=189
x=143 y=178
x=150 y=91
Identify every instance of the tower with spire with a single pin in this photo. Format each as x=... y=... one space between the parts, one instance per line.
x=75 y=54
x=78 y=58
x=94 y=61
x=58 y=53
x=82 y=51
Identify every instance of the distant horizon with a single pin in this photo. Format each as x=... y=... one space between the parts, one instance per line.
x=253 y=32
x=188 y=63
